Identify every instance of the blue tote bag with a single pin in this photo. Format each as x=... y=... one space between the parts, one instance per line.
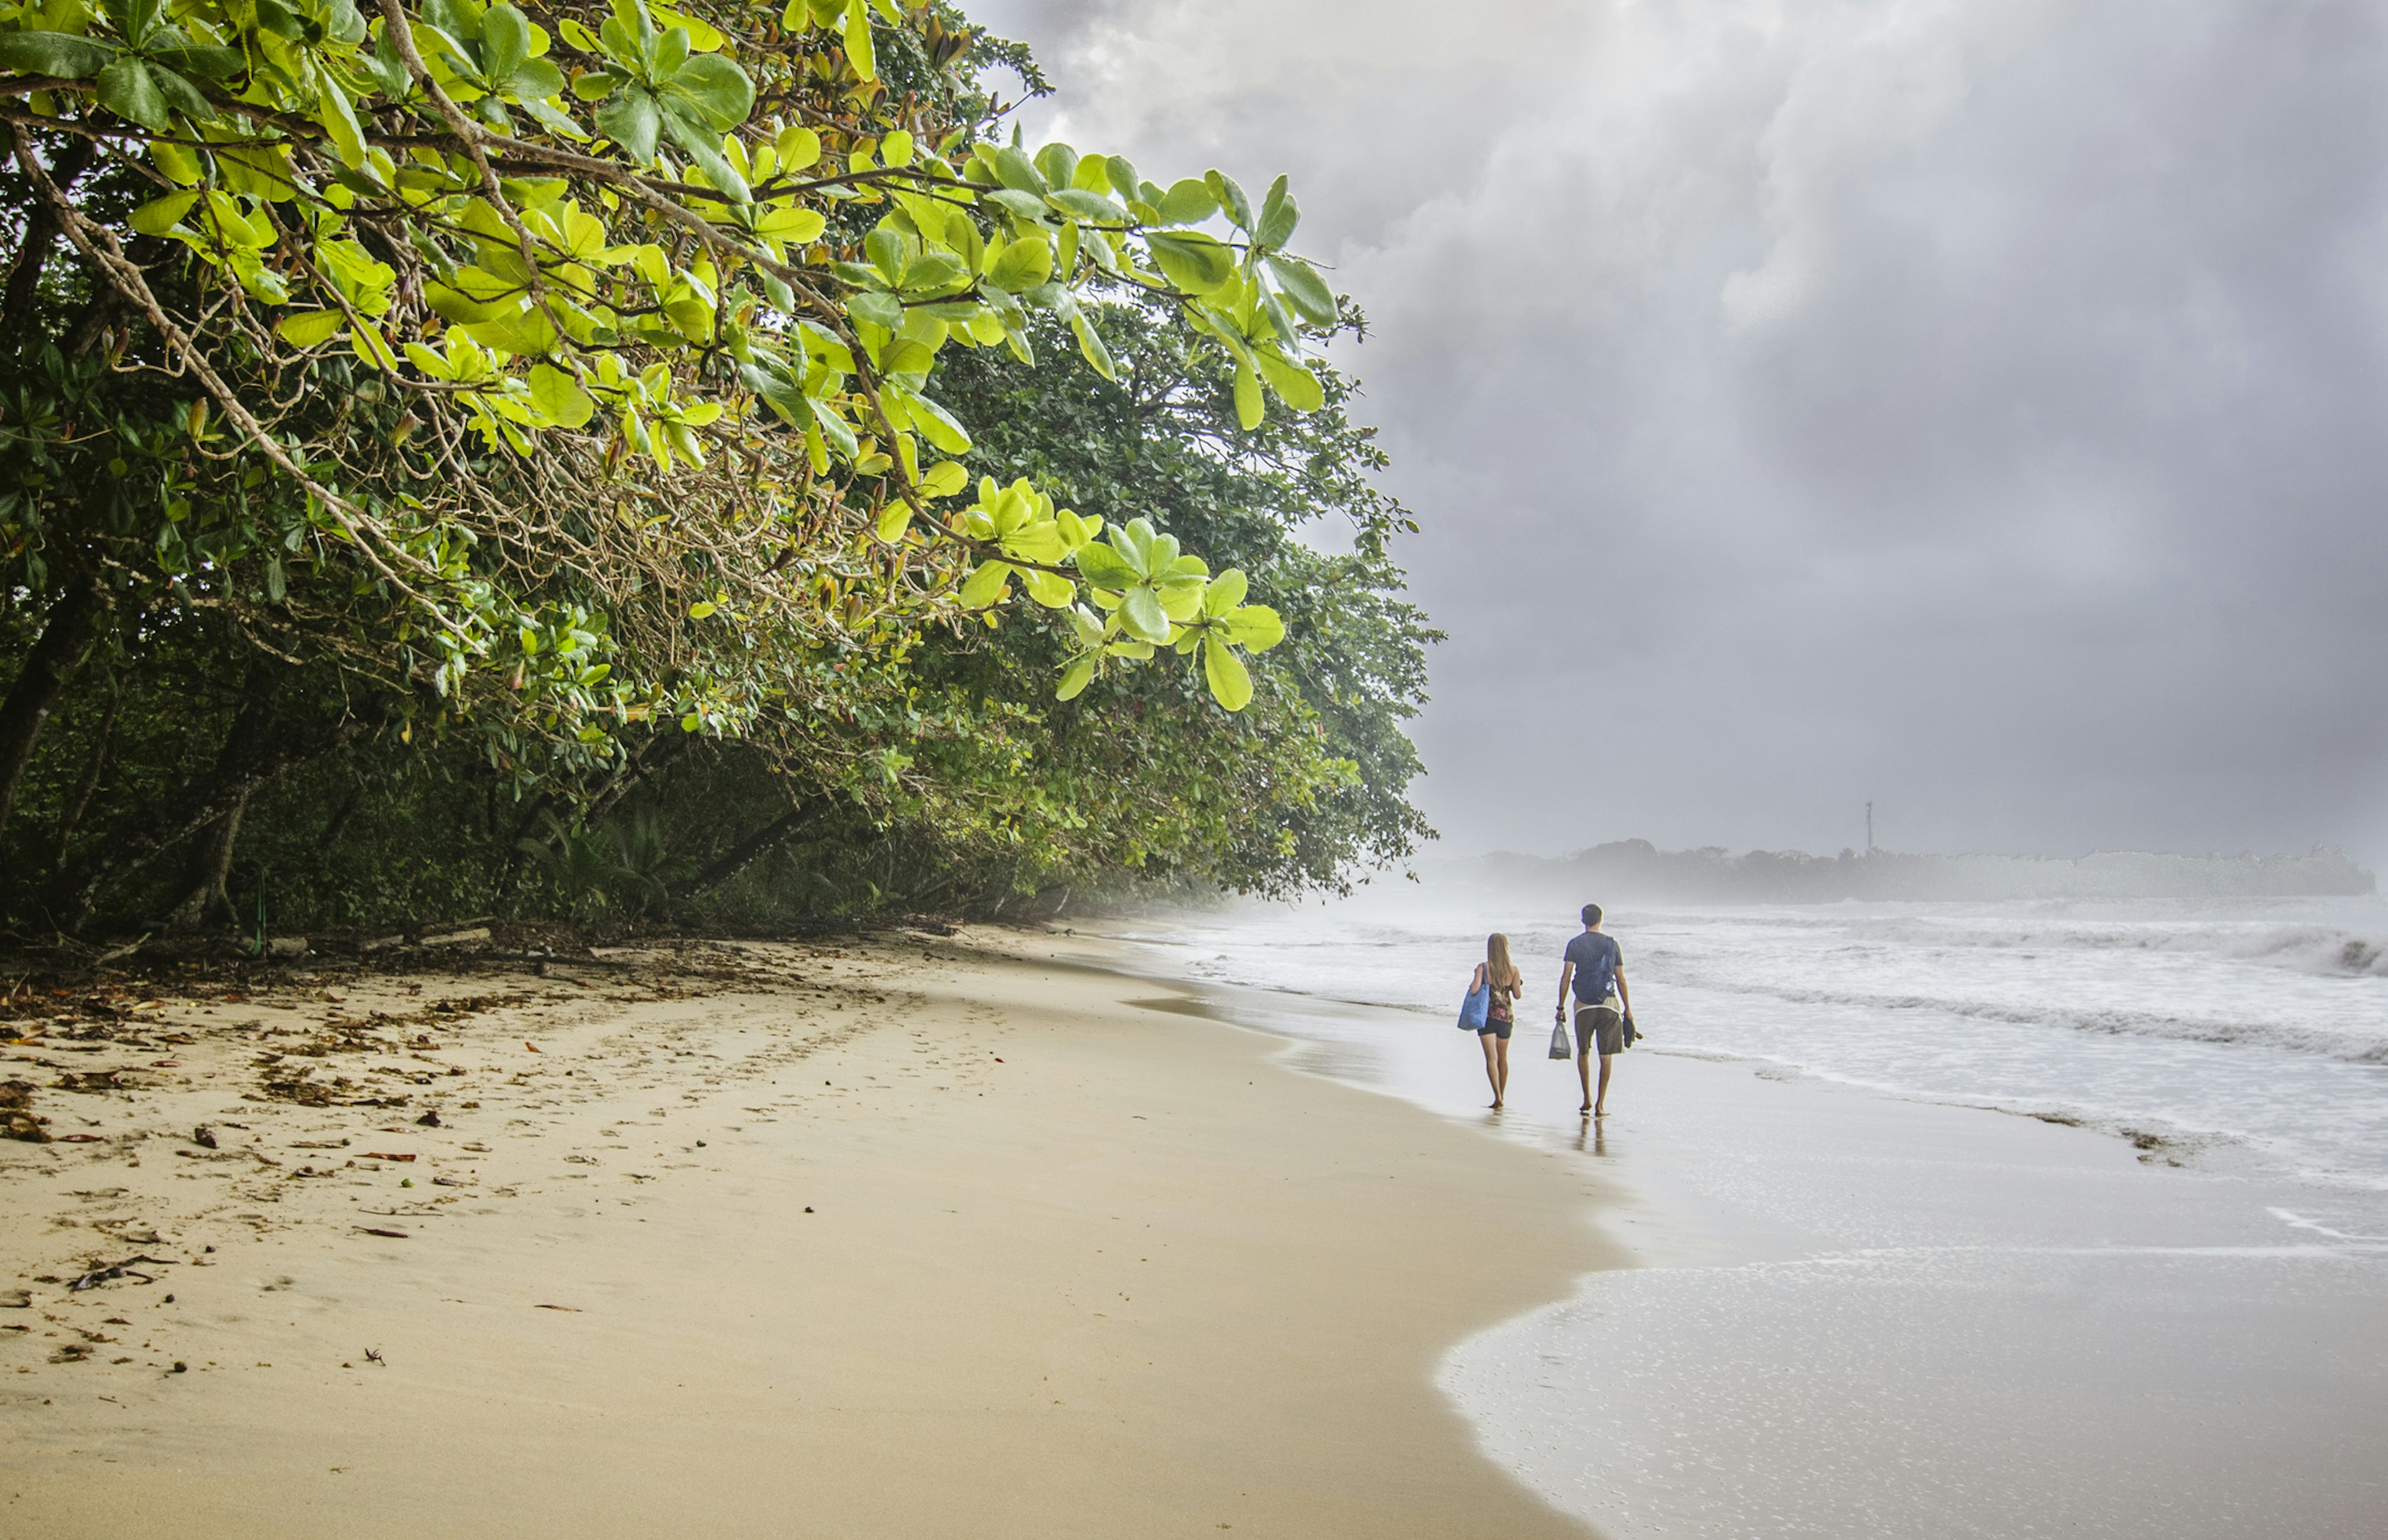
x=1472 y=1009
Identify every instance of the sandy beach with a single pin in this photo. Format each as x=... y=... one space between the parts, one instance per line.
x=912 y=1237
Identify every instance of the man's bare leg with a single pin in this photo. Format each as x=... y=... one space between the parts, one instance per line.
x=1584 y=1073
x=1599 y=1108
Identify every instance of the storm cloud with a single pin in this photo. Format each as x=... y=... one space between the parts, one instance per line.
x=1976 y=407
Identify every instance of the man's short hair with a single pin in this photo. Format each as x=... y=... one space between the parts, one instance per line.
x=1591 y=914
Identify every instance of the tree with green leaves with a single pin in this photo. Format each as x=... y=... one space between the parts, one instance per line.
x=535 y=381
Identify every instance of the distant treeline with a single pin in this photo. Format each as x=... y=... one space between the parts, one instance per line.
x=1635 y=869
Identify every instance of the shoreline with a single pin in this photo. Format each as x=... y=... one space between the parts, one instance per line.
x=1854 y=1312
x=1073 y=1265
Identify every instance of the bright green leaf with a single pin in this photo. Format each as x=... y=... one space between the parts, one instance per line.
x=1104 y=567
x=558 y=395
x=1279 y=215
x=859 y=49
x=1254 y=627
x=1306 y=288
x=160 y=215
x=1142 y=614
x=1022 y=265
x=987 y=586
x=1225 y=592
x=1231 y=683
x=307 y=328
x=1194 y=262
x=1187 y=202
x=1297 y=386
x=1248 y=407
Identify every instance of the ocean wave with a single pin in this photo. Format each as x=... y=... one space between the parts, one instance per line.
x=2351 y=1048
x=2315 y=948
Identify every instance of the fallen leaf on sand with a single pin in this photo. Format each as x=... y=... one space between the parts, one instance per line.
x=569 y=1310
x=377 y=1154
x=532 y=1046
x=393 y=1234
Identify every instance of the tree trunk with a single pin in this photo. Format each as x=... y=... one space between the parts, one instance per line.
x=257 y=751
x=641 y=764
x=745 y=854
x=206 y=898
x=65 y=642
x=327 y=841
x=41 y=231
x=72 y=819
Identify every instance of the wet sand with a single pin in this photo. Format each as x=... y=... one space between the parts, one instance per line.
x=906 y=1239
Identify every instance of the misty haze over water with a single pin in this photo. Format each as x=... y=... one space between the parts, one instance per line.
x=1636 y=869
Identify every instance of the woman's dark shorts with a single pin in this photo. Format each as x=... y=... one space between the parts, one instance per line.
x=1495 y=1027
x=1598 y=1028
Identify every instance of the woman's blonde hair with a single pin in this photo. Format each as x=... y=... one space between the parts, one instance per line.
x=1498 y=970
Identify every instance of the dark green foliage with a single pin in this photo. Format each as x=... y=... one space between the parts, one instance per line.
x=210 y=702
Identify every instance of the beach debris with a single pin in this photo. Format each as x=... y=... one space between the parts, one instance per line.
x=459 y=938
x=204 y=1136
x=429 y=1119
x=127 y=950
x=93 y=1082
x=23 y=1126
x=532 y=1046
x=373 y=1355
x=15 y=1299
x=383 y=1155
x=179 y=1367
x=569 y=1309
x=76 y=1138
x=387 y=1234
x=126 y=1269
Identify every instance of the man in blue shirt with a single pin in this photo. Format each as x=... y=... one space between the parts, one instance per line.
x=1601 y=1004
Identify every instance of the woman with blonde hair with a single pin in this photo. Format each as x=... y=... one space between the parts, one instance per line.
x=1500 y=978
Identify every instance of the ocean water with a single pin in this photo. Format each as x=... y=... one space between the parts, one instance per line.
x=2252 y=1034
x=1982 y=1220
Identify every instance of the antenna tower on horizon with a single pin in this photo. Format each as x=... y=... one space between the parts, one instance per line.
x=1868 y=829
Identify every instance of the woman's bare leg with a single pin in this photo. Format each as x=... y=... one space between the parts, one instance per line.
x=1501 y=1085
x=1492 y=1063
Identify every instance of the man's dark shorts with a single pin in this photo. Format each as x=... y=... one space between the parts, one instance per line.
x=1599 y=1028
x=1496 y=1026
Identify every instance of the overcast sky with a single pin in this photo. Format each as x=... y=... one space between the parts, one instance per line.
x=1974 y=406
